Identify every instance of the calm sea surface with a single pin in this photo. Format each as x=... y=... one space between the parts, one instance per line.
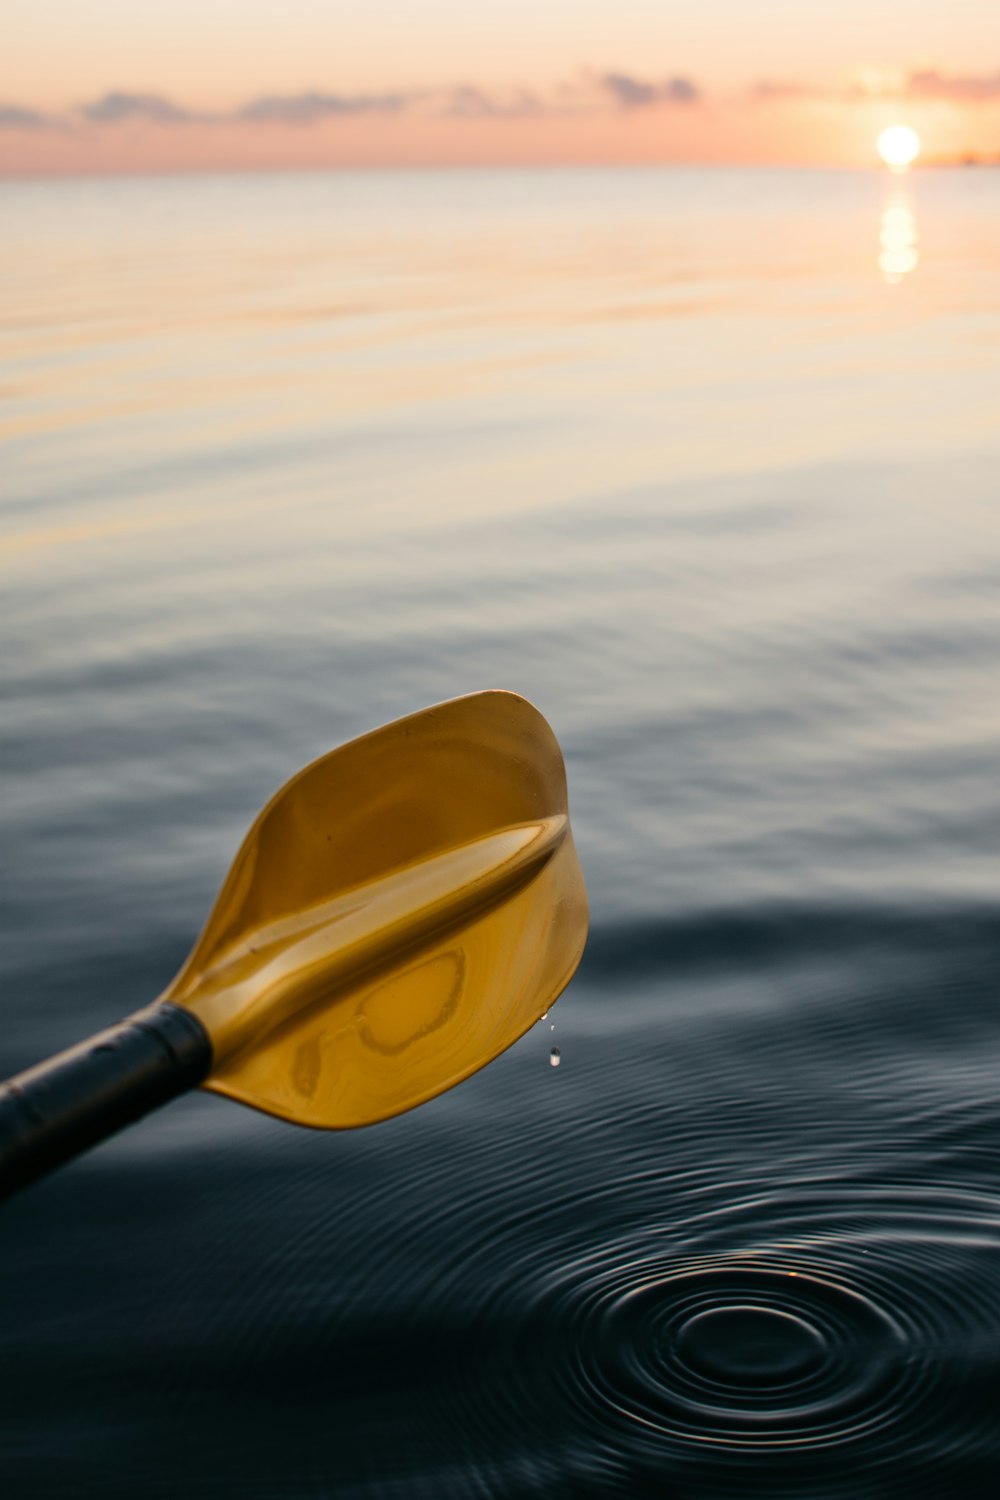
x=706 y=465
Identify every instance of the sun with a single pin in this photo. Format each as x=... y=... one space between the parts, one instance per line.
x=898 y=147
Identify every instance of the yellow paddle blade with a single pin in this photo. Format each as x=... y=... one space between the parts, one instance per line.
x=400 y=912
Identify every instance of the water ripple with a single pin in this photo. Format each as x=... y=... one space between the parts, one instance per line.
x=845 y=1331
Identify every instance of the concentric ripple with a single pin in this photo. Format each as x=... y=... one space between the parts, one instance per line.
x=747 y=1355
x=745 y=1343
x=842 y=1332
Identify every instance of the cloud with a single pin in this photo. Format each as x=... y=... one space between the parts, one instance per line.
x=13 y=117
x=863 y=83
x=768 y=92
x=637 y=93
x=589 y=94
x=312 y=108
x=117 y=108
x=886 y=83
x=467 y=102
x=971 y=88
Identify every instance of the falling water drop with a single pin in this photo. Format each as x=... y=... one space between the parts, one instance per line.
x=554 y=1057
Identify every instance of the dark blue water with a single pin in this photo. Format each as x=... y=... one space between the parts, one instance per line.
x=679 y=458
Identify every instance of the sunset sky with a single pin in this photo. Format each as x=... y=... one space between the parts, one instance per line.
x=127 y=85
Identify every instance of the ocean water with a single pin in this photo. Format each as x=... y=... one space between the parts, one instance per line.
x=705 y=464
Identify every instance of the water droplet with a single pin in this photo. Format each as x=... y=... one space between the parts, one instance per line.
x=554 y=1057
x=552 y=1027
x=545 y=1015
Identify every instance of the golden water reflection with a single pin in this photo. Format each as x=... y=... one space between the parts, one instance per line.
x=898 y=238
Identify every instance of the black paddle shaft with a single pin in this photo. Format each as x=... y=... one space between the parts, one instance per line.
x=74 y=1100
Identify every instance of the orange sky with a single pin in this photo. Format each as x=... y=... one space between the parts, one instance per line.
x=134 y=85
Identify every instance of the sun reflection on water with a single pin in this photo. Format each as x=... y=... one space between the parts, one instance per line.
x=898 y=239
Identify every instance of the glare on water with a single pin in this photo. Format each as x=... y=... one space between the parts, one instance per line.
x=702 y=462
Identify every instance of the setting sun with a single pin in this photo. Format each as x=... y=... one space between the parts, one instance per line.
x=898 y=146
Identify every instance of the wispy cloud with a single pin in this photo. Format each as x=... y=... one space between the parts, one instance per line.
x=776 y=92
x=863 y=83
x=118 y=108
x=467 y=102
x=629 y=92
x=312 y=108
x=13 y=117
x=972 y=89
x=885 y=83
x=589 y=94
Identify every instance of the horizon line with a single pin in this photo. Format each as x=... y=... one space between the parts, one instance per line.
x=961 y=161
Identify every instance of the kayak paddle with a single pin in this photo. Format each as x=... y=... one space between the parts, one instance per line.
x=399 y=913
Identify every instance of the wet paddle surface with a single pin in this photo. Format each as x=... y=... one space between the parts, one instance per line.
x=670 y=454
